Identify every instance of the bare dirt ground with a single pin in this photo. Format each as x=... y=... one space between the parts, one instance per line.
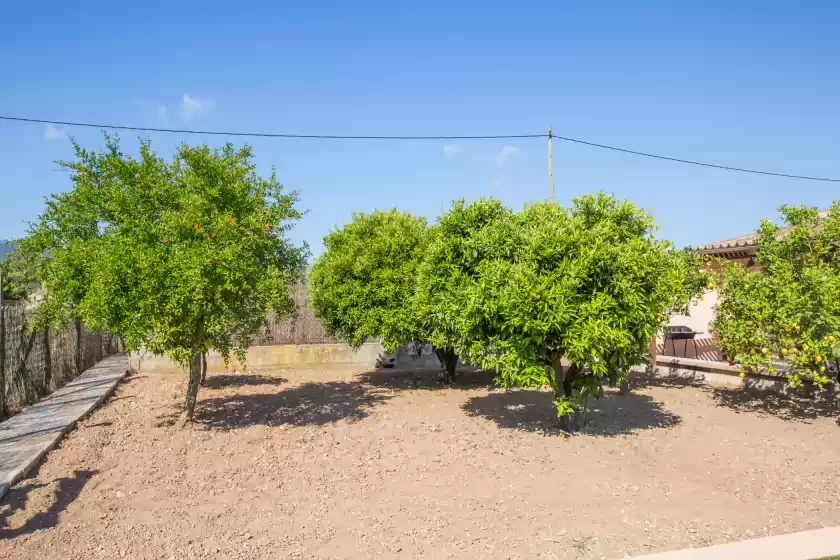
x=335 y=463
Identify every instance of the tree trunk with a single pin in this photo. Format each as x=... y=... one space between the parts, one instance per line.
x=571 y=374
x=624 y=386
x=563 y=388
x=192 y=386
x=448 y=361
x=203 y=368
x=559 y=376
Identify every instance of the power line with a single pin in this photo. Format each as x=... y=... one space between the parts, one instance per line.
x=700 y=163
x=468 y=137
x=275 y=135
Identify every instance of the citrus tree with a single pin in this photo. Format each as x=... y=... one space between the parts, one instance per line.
x=18 y=280
x=178 y=257
x=570 y=298
x=361 y=286
x=459 y=242
x=786 y=315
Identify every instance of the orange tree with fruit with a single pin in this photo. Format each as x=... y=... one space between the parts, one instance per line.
x=567 y=298
x=785 y=317
x=177 y=257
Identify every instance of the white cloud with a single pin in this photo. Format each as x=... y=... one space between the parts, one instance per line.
x=498 y=184
x=503 y=157
x=52 y=132
x=192 y=107
x=452 y=149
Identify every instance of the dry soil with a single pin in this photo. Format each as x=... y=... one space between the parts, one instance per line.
x=336 y=463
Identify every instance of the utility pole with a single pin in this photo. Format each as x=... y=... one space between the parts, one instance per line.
x=550 y=170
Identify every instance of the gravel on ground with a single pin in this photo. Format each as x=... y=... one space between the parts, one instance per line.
x=331 y=462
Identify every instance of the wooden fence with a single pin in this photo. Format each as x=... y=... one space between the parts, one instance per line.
x=36 y=363
x=304 y=328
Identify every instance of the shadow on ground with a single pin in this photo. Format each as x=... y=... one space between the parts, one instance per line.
x=787 y=407
x=398 y=380
x=309 y=404
x=240 y=380
x=668 y=381
x=533 y=411
x=801 y=407
x=529 y=410
x=66 y=491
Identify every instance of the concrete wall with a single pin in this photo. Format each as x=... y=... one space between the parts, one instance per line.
x=700 y=314
x=265 y=357
x=289 y=355
x=722 y=374
x=407 y=359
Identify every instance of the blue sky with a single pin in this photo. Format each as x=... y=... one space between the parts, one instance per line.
x=742 y=83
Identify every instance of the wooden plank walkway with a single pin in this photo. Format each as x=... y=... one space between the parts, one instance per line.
x=28 y=436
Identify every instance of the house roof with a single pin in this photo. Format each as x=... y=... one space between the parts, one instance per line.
x=743 y=243
x=748 y=240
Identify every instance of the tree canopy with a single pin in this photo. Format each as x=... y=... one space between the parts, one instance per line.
x=178 y=257
x=568 y=298
x=459 y=243
x=361 y=286
x=19 y=280
x=787 y=313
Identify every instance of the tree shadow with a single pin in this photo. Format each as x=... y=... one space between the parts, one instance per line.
x=800 y=405
x=784 y=406
x=241 y=380
x=398 y=380
x=670 y=380
x=66 y=491
x=533 y=411
x=308 y=404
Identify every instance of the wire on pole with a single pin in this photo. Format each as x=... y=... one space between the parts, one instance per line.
x=440 y=137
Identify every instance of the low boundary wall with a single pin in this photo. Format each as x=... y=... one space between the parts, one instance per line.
x=290 y=355
x=723 y=374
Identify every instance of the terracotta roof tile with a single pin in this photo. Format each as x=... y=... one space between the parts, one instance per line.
x=741 y=241
x=735 y=243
